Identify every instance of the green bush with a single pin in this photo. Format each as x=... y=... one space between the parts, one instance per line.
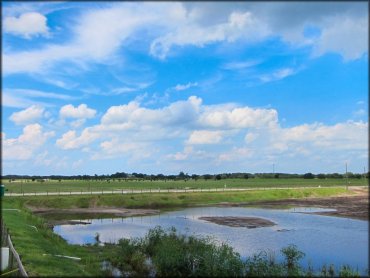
x=129 y=258
x=167 y=254
x=173 y=255
x=262 y=266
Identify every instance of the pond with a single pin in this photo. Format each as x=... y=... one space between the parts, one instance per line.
x=324 y=239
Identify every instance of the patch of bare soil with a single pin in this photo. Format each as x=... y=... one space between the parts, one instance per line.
x=351 y=206
x=232 y=221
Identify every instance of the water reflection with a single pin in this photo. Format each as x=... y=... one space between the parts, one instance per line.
x=324 y=239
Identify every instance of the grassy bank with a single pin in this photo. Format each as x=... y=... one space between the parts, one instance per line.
x=37 y=246
x=18 y=186
x=168 y=200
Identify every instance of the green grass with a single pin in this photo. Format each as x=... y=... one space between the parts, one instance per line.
x=165 y=200
x=80 y=185
x=32 y=244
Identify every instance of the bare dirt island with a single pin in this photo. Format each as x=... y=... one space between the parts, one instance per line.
x=355 y=205
x=232 y=221
x=114 y=211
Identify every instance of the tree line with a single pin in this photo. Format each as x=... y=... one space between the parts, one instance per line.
x=186 y=176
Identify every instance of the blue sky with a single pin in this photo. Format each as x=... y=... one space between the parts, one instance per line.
x=199 y=87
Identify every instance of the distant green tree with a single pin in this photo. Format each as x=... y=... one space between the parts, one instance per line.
x=181 y=175
x=161 y=177
x=350 y=175
x=335 y=176
x=321 y=176
x=308 y=176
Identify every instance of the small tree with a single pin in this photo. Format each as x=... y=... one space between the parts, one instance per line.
x=292 y=257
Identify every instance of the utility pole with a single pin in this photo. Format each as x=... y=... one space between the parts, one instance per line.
x=364 y=173
x=273 y=168
x=346 y=177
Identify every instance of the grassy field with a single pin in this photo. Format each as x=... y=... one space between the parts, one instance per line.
x=29 y=186
x=32 y=244
x=168 y=200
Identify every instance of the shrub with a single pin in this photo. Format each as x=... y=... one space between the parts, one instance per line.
x=262 y=266
x=128 y=257
x=168 y=254
x=347 y=271
x=292 y=257
x=173 y=255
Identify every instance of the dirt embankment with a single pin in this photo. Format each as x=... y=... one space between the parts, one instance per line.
x=353 y=206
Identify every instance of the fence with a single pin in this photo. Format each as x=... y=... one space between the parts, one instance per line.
x=15 y=266
x=163 y=190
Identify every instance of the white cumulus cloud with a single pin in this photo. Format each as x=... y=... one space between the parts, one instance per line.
x=238 y=118
x=205 y=137
x=79 y=112
x=27 y=116
x=186 y=120
x=69 y=140
x=25 y=146
x=26 y=25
